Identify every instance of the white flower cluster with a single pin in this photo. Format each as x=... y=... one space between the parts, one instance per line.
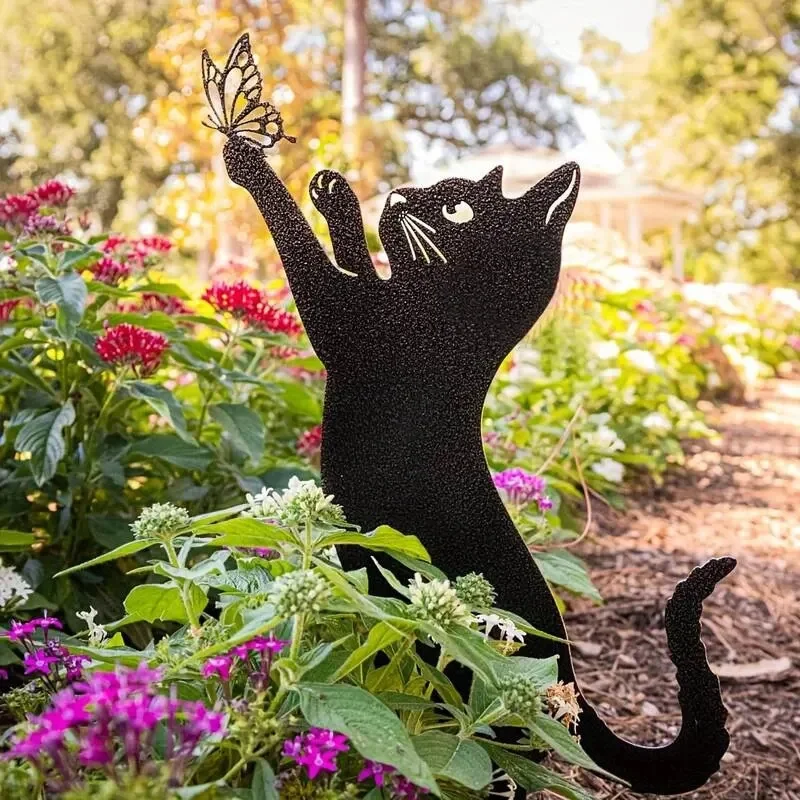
x=13 y=587
x=300 y=502
x=603 y=437
x=609 y=469
x=657 y=422
x=97 y=633
x=643 y=360
x=508 y=631
x=437 y=601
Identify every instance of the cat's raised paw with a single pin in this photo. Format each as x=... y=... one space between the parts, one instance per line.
x=331 y=193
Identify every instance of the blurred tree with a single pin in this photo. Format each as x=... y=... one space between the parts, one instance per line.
x=77 y=74
x=716 y=102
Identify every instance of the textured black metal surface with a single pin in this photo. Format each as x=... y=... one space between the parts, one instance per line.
x=409 y=362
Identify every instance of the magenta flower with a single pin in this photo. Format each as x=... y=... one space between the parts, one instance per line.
x=218 y=665
x=3 y=674
x=19 y=631
x=316 y=750
x=39 y=661
x=269 y=644
x=523 y=488
x=377 y=773
x=46 y=622
x=402 y=787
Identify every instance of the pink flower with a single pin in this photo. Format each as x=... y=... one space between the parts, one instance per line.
x=218 y=665
x=39 y=662
x=132 y=346
x=110 y=271
x=3 y=674
x=53 y=193
x=17 y=208
x=276 y=320
x=375 y=772
x=7 y=308
x=152 y=301
x=793 y=342
x=522 y=487
x=686 y=339
x=19 y=631
x=309 y=442
x=316 y=750
x=239 y=298
x=46 y=622
x=316 y=761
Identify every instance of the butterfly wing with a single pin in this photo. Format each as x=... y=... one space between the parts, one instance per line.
x=235 y=98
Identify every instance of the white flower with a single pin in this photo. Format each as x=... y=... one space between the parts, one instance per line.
x=508 y=630
x=676 y=405
x=525 y=372
x=599 y=419
x=604 y=438
x=610 y=375
x=609 y=469
x=300 y=502
x=664 y=338
x=436 y=601
x=642 y=359
x=13 y=587
x=97 y=633
x=657 y=422
x=7 y=263
x=605 y=351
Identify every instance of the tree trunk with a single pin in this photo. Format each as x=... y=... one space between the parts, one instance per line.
x=353 y=71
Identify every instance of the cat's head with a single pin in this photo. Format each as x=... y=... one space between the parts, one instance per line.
x=473 y=263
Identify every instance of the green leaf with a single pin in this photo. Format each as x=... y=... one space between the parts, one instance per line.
x=157 y=601
x=123 y=550
x=458 y=760
x=15 y=540
x=163 y=402
x=27 y=375
x=373 y=729
x=379 y=638
x=531 y=775
x=17 y=341
x=564 y=569
x=79 y=258
x=152 y=320
x=244 y=532
x=263 y=783
x=383 y=538
x=43 y=438
x=68 y=292
x=170 y=448
x=299 y=400
x=560 y=739
x=243 y=426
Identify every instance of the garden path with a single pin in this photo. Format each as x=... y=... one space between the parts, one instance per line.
x=740 y=496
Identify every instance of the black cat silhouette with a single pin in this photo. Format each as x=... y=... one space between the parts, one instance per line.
x=410 y=360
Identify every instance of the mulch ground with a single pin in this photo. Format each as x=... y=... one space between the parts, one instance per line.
x=737 y=496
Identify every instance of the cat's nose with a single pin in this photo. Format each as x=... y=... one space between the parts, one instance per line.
x=395 y=198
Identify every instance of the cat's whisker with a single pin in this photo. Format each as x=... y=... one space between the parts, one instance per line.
x=417 y=230
x=420 y=222
x=415 y=233
x=408 y=239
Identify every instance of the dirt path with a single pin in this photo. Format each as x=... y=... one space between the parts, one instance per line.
x=738 y=496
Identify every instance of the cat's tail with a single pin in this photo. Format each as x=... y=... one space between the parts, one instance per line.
x=694 y=755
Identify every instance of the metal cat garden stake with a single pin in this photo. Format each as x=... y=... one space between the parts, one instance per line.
x=410 y=360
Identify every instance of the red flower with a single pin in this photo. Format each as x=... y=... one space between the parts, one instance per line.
x=309 y=443
x=263 y=315
x=152 y=301
x=113 y=242
x=110 y=271
x=155 y=244
x=132 y=346
x=137 y=251
x=283 y=352
x=53 y=193
x=6 y=309
x=239 y=299
x=17 y=208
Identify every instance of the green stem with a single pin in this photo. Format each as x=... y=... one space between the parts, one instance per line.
x=232 y=339
x=184 y=585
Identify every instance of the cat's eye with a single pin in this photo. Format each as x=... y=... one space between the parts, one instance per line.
x=462 y=212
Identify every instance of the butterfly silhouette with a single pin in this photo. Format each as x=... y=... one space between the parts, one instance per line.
x=234 y=95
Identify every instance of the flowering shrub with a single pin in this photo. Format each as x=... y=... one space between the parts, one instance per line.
x=282 y=676
x=119 y=390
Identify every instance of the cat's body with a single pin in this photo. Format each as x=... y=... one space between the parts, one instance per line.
x=409 y=362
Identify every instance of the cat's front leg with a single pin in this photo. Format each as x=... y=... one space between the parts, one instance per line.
x=335 y=200
x=315 y=282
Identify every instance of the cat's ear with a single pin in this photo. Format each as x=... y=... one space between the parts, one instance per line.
x=553 y=198
x=493 y=181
